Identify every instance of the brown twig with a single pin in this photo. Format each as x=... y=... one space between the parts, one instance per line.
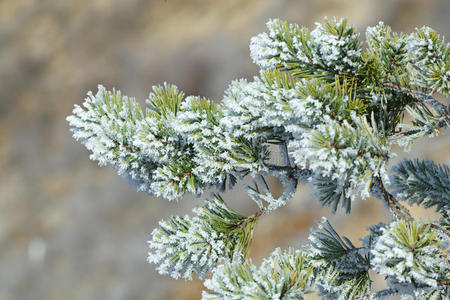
x=439 y=228
x=126 y=146
x=443 y=282
x=397 y=210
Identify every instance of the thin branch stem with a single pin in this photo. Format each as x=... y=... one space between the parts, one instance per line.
x=256 y=216
x=441 y=229
x=398 y=211
x=421 y=97
x=443 y=282
x=293 y=172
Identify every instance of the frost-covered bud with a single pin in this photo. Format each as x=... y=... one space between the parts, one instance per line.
x=171 y=182
x=199 y=121
x=157 y=142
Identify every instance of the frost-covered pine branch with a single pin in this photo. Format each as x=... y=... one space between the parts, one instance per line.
x=185 y=245
x=334 y=105
x=341 y=269
x=284 y=275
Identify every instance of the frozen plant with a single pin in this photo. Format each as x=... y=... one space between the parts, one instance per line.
x=335 y=108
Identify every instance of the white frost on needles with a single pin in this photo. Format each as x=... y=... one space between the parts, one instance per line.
x=284 y=275
x=411 y=253
x=332 y=46
x=107 y=124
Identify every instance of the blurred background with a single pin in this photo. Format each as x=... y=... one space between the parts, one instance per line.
x=72 y=230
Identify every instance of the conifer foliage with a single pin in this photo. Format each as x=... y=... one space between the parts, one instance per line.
x=334 y=106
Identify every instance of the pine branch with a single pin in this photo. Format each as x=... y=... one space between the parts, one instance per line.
x=284 y=275
x=421 y=97
x=107 y=124
x=329 y=247
x=341 y=270
x=390 y=49
x=430 y=60
x=345 y=160
x=186 y=245
x=331 y=49
x=409 y=253
x=425 y=123
x=423 y=182
x=333 y=109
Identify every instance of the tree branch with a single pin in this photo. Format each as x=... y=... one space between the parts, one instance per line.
x=443 y=282
x=421 y=97
x=397 y=210
x=441 y=229
x=292 y=172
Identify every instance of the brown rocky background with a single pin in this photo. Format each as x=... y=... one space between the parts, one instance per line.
x=72 y=230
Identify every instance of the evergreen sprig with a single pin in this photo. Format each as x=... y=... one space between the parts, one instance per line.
x=346 y=160
x=425 y=123
x=186 y=245
x=341 y=271
x=285 y=275
x=390 y=49
x=430 y=58
x=107 y=126
x=423 y=182
x=330 y=49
